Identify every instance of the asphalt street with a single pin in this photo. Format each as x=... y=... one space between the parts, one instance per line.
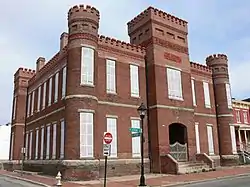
x=243 y=181
x=10 y=182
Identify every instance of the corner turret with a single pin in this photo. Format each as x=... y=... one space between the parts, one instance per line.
x=21 y=78
x=83 y=25
x=223 y=99
x=83 y=22
x=219 y=65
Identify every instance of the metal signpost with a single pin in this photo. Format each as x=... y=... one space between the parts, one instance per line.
x=107 y=139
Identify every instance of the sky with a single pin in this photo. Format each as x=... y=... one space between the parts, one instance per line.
x=30 y=29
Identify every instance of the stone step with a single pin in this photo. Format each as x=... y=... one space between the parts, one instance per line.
x=190 y=164
x=27 y=172
x=185 y=168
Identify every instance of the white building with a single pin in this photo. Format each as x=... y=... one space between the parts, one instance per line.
x=5 y=131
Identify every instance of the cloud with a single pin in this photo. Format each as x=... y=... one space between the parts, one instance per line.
x=32 y=28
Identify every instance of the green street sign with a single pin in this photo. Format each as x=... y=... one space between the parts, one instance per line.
x=136 y=134
x=135 y=130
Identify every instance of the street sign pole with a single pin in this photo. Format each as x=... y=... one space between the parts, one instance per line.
x=107 y=139
x=105 y=171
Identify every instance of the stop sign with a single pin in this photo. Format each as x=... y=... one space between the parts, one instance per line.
x=107 y=137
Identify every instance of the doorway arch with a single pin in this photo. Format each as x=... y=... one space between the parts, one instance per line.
x=178 y=141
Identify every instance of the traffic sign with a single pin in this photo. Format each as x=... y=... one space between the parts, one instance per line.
x=107 y=138
x=135 y=130
x=136 y=134
x=106 y=149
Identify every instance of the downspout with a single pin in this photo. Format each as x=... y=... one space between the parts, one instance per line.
x=148 y=113
x=24 y=133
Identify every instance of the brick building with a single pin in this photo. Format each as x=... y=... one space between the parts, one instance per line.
x=96 y=83
x=242 y=124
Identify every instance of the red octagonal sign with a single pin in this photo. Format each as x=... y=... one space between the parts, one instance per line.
x=107 y=137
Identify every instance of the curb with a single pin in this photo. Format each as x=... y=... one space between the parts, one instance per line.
x=202 y=181
x=26 y=180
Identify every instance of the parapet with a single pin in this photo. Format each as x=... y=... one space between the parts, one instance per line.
x=24 y=73
x=158 y=15
x=200 y=67
x=121 y=45
x=82 y=11
x=50 y=64
x=210 y=60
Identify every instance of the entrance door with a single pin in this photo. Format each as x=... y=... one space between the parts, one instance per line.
x=178 y=141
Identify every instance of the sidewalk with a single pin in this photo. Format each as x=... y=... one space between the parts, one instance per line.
x=155 y=180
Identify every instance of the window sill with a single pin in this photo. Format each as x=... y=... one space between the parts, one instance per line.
x=176 y=98
x=113 y=157
x=208 y=107
x=136 y=157
x=111 y=93
x=87 y=158
x=87 y=85
x=135 y=96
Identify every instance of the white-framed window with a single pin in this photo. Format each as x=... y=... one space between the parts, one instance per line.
x=30 y=145
x=50 y=91
x=37 y=139
x=54 y=141
x=174 y=84
x=210 y=140
x=62 y=139
x=206 y=95
x=245 y=116
x=39 y=99
x=233 y=139
x=44 y=95
x=48 y=142
x=112 y=128
x=136 y=141
x=56 y=87
x=229 y=97
x=14 y=108
x=32 y=103
x=238 y=120
x=86 y=134
x=197 y=138
x=42 y=142
x=134 y=81
x=87 y=66
x=28 y=107
x=64 y=81
x=12 y=146
x=110 y=76
x=26 y=145
x=193 y=91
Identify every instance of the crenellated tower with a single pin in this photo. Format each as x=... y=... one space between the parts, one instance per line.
x=83 y=25
x=165 y=38
x=21 y=78
x=222 y=91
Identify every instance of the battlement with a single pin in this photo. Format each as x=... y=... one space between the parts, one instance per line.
x=24 y=72
x=156 y=14
x=50 y=64
x=214 y=57
x=83 y=11
x=117 y=44
x=200 y=67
